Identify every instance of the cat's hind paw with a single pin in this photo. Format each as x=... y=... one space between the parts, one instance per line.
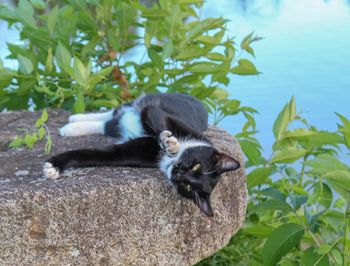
x=75 y=118
x=169 y=142
x=50 y=171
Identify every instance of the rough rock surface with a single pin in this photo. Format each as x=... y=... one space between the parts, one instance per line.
x=106 y=216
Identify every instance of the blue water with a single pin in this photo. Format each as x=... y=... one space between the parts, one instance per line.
x=305 y=52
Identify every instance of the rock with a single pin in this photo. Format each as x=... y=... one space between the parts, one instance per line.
x=106 y=216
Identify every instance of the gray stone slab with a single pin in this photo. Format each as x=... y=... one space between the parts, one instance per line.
x=106 y=215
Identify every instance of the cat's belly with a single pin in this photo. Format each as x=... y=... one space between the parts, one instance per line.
x=130 y=124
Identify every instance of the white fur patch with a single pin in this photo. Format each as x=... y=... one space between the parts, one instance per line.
x=167 y=162
x=50 y=171
x=83 y=128
x=91 y=117
x=130 y=124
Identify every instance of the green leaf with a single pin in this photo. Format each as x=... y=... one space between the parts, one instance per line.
x=42 y=119
x=324 y=163
x=323 y=249
x=52 y=19
x=331 y=168
x=154 y=13
x=345 y=129
x=288 y=155
x=199 y=27
x=208 y=39
x=95 y=78
x=48 y=63
x=345 y=121
x=81 y=73
x=25 y=65
x=62 y=56
x=205 y=68
x=191 y=52
x=220 y=94
x=310 y=257
x=29 y=140
x=41 y=132
x=325 y=138
x=216 y=57
x=7 y=74
x=340 y=176
x=272 y=205
x=324 y=194
x=79 y=105
x=281 y=123
x=25 y=13
x=273 y=193
x=245 y=67
x=280 y=242
x=156 y=59
x=245 y=44
x=261 y=231
x=167 y=49
x=298 y=200
x=17 y=142
x=292 y=109
x=299 y=133
x=337 y=256
x=313 y=220
x=39 y=4
x=252 y=150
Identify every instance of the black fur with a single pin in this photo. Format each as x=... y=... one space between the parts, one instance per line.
x=181 y=114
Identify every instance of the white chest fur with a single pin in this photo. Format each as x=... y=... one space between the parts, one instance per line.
x=167 y=162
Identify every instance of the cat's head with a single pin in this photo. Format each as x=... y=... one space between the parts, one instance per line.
x=197 y=171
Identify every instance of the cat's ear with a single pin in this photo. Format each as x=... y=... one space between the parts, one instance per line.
x=226 y=163
x=202 y=200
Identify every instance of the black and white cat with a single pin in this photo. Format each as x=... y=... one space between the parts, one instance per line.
x=156 y=130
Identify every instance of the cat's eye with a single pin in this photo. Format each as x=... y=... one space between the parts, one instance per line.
x=196 y=167
x=188 y=188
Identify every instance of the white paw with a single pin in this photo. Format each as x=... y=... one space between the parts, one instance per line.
x=169 y=143
x=50 y=171
x=67 y=130
x=75 y=118
x=82 y=128
x=164 y=134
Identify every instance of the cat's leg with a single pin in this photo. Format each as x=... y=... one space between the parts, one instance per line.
x=169 y=143
x=91 y=117
x=140 y=152
x=83 y=128
x=86 y=124
x=155 y=120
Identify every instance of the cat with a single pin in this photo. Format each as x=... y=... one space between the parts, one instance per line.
x=156 y=130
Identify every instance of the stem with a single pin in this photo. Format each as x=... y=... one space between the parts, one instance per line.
x=316 y=263
x=303 y=171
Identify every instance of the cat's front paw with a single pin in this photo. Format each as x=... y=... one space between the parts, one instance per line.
x=50 y=171
x=169 y=142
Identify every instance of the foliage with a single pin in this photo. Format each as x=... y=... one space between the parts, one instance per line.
x=76 y=54
x=39 y=132
x=299 y=206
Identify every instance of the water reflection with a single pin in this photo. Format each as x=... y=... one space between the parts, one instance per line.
x=305 y=52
